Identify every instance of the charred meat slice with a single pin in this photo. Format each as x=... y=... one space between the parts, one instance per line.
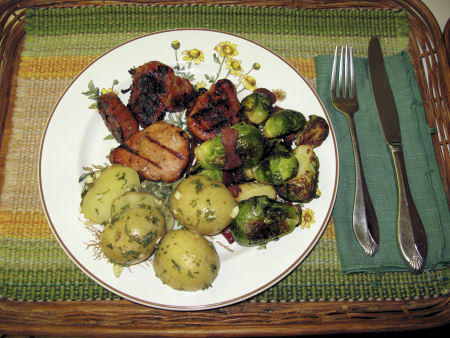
x=119 y=120
x=155 y=89
x=181 y=95
x=160 y=152
x=216 y=108
x=149 y=91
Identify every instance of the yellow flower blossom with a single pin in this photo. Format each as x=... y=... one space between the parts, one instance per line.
x=227 y=49
x=234 y=66
x=249 y=82
x=195 y=55
x=109 y=90
x=201 y=84
x=307 y=218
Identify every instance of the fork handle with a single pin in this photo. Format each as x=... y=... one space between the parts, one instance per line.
x=365 y=223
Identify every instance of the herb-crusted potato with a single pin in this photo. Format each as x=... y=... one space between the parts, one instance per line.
x=134 y=199
x=186 y=261
x=131 y=238
x=203 y=205
x=105 y=187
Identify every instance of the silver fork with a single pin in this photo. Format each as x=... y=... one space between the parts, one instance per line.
x=345 y=99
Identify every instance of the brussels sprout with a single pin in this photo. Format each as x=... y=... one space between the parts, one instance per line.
x=262 y=219
x=250 y=146
x=283 y=122
x=303 y=186
x=278 y=146
x=256 y=108
x=211 y=153
x=314 y=133
x=276 y=169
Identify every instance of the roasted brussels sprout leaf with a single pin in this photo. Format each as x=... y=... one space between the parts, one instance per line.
x=303 y=186
x=256 y=108
x=262 y=219
x=284 y=122
x=276 y=169
x=314 y=133
x=249 y=146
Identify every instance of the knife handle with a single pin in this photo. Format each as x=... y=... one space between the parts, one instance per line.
x=365 y=223
x=410 y=231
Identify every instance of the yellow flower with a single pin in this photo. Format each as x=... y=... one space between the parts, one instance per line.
x=307 y=218
x=234 y=66
x=109 y=90
x=249 y=82
x=199 y=85
x=195 y=55
x=227 y=49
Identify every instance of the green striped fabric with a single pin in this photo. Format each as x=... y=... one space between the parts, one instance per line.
x=59 y=43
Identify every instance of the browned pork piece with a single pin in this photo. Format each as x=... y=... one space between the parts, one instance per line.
x=155 y=89
x=216 y=108
x=160 y=152
x=119 y=120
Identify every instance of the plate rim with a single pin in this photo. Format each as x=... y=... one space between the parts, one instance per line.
x=212 y=305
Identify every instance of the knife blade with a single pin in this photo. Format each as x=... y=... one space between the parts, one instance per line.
x=410 y=231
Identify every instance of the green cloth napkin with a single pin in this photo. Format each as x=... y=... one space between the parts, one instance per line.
x=422 y=170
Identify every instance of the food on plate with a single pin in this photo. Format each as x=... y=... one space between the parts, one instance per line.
x=248 y=145
x=276 y=169
x=131 y=236
x=283 y=122
x=160 y=152
x=103 y=187
x=155 y=89
x=118 y=119
x=303 y=186
x=218 y=107
x=134 y=199
x=203 y=205
x=314 y=133
x=250 y=189
x=256 y=108
x=262 y=219
x=186 y=261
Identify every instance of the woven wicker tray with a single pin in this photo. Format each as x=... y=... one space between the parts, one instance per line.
x=430 y=61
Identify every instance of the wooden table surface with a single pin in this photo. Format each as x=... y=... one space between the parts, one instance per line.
x=114 y=318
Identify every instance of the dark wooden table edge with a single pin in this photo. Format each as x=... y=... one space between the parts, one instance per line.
x=115 y=318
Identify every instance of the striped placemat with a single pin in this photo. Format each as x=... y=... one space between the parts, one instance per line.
x=60 y=42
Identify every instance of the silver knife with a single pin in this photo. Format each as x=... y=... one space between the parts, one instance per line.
x=410 y=232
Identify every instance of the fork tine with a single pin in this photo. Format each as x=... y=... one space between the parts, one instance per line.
x=341 y=70
x=333 y=74
x=346 y=74
x=352 y=74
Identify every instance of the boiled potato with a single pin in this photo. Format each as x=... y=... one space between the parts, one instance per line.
x=251 y=189
x=110 y=183
x=185 y=260
x=132 y=237
x=134 y=199
x=202 y=204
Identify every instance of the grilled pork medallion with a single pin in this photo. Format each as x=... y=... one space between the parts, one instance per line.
x=118 y=119
x=160 y=152
x=215 y=109
x=155 y=89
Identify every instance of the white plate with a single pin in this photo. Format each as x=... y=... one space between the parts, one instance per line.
x=74 y=138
